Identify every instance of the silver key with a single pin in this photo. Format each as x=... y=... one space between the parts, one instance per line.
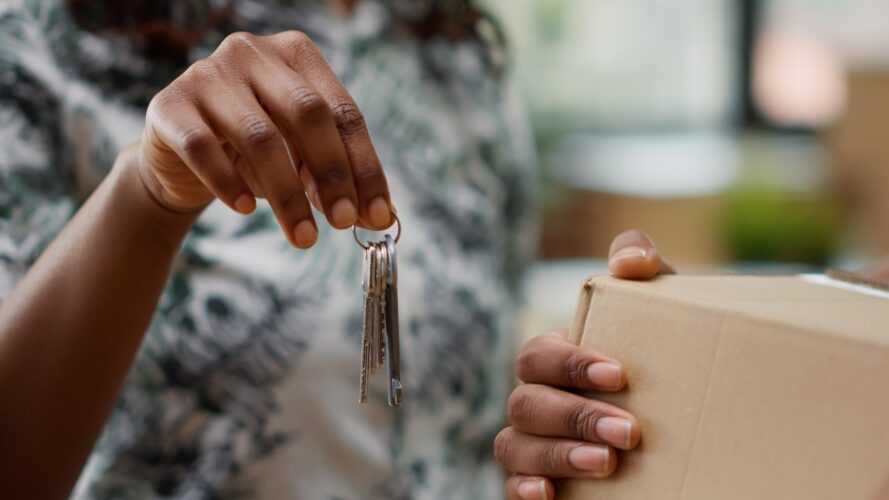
x=376 y=317
x=393 y=356
x=384 y=278
x=369 y=288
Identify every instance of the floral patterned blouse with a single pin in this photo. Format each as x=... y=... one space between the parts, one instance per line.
x=246 y=383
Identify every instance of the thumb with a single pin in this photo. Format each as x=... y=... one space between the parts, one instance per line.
x=633 y=255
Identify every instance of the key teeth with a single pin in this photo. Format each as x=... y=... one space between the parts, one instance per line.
x=396 y=391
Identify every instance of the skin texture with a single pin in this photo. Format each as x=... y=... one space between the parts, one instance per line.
x=554 y=433
x=265 y=117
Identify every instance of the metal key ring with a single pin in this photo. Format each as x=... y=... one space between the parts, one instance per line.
x=365 y=245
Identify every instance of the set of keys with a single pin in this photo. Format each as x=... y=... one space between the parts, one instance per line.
x=379 y=337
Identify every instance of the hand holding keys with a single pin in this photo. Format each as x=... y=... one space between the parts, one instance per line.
x=379 y=338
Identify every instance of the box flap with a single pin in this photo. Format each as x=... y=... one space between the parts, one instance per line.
x=798 y=301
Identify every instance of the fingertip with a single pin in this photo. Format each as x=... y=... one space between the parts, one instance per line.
x=533 y=488
x=635 y=434
x=549 y=489
x=635 y=262
x=607 y=375
x=596 y=460
x=343 y=213
x=245 y=204
x=379 y=213
x=305 y=234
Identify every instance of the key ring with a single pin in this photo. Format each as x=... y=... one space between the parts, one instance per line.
x=366 y=245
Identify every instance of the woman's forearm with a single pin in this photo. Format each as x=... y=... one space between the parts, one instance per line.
x=69 y=331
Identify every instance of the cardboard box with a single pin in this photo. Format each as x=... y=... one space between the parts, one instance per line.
x=745 y=387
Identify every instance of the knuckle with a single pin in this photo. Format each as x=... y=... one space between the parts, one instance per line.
x=307 y=104
x=554 y=459
x=368 y=175
x=334 y=174
x=258 y=132
x=299 y=38
x=202 y=70
x=526 y=363
x=580 y=421
x=519 y=405
x=575 y=369
x=238 y=41
x=297 y=42
x=195 y=141
x=289 y=201
x=156 y=106
x=503 y=445
x=349 y=119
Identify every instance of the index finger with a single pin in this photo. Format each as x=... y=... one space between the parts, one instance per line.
x=374 y=203
x=550 y=359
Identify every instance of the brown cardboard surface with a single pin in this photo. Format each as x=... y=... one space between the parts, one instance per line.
x=745 y=387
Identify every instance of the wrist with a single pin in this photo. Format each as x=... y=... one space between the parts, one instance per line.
x=133 y=182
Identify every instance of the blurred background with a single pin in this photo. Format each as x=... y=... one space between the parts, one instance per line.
x=743 y=135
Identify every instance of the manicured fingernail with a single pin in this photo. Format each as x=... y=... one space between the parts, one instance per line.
x=590 y=458
x=380 y=215
x=606 y=375
x=615 y=431
x=343 y=213
x=305 y=234
x=628 y=253
x=532 y=489
x=245 y=204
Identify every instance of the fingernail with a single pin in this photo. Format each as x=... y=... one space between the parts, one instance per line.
x=245 y=204
x=305 y=234
x=317 y=200
x=380 y=215
x=589 y=458
x=343 y=213
x=532 y=489
x=616 y=431
x=628 y=253
x=606 y=375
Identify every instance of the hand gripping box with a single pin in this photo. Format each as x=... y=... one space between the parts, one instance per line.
x=745 y=387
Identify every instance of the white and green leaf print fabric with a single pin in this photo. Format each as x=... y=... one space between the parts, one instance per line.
x=246 y=383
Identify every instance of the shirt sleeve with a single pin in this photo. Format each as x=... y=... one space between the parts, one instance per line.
x=37 y=189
